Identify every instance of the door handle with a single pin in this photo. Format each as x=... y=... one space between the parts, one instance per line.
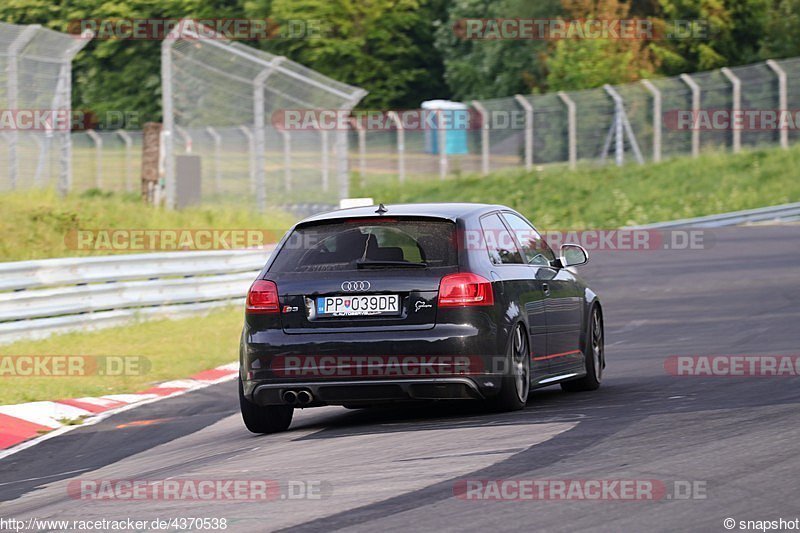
x=546 y=289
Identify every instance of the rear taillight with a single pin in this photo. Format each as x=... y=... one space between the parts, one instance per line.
x=262 y=298
x=465 y=289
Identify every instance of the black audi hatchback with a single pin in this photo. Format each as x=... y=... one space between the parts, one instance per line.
x=415 y=302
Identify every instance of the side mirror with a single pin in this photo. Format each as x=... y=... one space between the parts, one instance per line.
x=573 y=255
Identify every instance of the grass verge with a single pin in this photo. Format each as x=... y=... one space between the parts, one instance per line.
x=610 y=196
x=172 y=349
x=39 y=224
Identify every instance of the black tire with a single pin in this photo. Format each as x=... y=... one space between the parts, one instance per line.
x=264 y=419
x=594 y=355
x=517 y=383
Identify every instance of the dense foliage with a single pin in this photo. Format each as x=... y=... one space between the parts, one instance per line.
x=406 y=51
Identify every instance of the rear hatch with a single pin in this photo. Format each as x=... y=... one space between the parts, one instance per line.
x=363 y=274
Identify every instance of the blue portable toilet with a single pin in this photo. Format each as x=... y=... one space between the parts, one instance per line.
x=456 y=117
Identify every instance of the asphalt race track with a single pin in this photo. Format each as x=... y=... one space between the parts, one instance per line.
x=734 y=440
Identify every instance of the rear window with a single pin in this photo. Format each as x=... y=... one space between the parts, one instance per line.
x=368 y=243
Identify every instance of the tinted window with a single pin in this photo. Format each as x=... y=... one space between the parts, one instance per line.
x=499 y=242
x=342 y=245
x=534 y=248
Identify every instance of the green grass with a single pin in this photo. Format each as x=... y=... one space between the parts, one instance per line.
x=610 y=196
x=174 y=349
x=38 y=224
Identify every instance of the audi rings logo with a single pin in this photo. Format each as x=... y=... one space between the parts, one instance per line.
x=355 y=286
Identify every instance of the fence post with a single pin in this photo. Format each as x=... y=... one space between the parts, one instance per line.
x=619 y=140
x=98 y=157
x=401 y=146
x=325 y=161
x=342 y=146
x=217 y=139
x=287 y=159
x=340 y=149
x=167 y=110
x=621 y=127
x=12 y=94
x=442 y=137
x=484 y=136
x=64 y=97
x=736 y=108
x=782 y=98
x=695 y=112
x=37 y=176
x=63 y=100
x=362 y=147
x=259 y=138
x=656 y=118
x=251 y=156
x=128 y=155
x=526 y=105
x=187 y=139
x=572 y=125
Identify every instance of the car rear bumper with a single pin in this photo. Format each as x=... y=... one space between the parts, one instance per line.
x=369 y=391
x=448 y=361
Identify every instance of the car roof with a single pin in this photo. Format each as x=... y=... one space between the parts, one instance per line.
x=450 y=211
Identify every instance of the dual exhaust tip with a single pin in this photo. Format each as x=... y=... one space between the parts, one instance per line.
x=302 y=397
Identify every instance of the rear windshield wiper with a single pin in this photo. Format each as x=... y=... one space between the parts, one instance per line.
x=390 y=264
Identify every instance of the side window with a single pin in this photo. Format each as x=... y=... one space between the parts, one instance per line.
x=499 y=243
x=534 y=248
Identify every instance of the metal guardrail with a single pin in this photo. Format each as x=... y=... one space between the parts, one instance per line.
x=39 y=298
x=780 y=213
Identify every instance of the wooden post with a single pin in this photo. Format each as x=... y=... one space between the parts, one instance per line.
x=151 y=144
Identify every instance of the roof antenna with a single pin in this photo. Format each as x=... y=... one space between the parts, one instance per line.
x=381 y=209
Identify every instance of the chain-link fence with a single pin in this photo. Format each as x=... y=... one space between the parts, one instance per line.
x=35 y=99
x=725 y=109
x=223 y=100
x=656 y=119
x=226 y=103
x=107 y=160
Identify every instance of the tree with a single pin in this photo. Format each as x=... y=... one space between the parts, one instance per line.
x=730 y=32
x=584 y=63
x=780 y=36
x=383 y=46
x=493 y=68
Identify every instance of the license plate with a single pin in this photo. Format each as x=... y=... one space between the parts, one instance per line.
x=362 y=305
